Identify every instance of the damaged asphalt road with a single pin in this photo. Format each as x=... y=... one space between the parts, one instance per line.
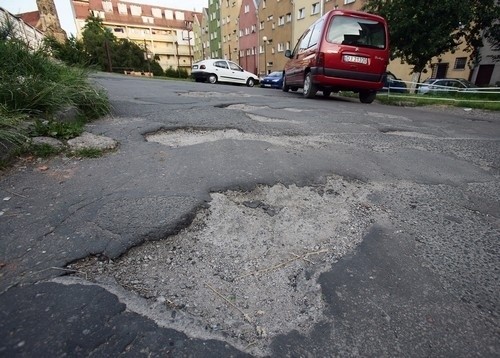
x=237 y=221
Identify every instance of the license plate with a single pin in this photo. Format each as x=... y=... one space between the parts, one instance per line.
x=356 y=59
x=267 y=85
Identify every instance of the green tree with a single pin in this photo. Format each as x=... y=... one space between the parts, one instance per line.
x=72 y=52
x=97 y=41
x=127 y=54
x=421 y=30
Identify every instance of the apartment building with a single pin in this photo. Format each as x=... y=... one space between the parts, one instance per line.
x=214 y=30
x=229 y=11
x=163 y=32
x=306 y=13
x=201 y=48
x=248 y=35
x=275 y=34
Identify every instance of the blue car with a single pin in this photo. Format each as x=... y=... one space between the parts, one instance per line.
x=273 y=80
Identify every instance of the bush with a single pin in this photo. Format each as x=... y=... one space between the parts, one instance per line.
x=180 y=73
x=35 y=86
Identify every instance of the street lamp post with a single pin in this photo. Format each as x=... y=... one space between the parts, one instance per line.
x=147 y=56
x=264 y=39
x=178 y=63
x=189 y=28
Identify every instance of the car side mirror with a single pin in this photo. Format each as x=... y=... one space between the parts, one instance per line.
x=288 y=53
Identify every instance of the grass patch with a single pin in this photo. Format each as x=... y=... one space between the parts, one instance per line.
x=43 y=150
x=88 y=153
x=488 y=101
x=60 y=130
x=33 y=89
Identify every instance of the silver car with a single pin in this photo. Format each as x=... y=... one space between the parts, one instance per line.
x=433 y=85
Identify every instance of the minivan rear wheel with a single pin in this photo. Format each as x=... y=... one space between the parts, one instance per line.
x=367 y=96
x=285 y=87
x=310 y=88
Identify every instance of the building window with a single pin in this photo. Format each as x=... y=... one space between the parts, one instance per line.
x=261 y=25
x=301 y=13
x=280 y=47
x=460 y=63
x=107 y=6
x=179 y=15
x=348 y=2
x=156 y=12
x=122 y=8
x=254 y=28
x=247 y=9
x=135 y=10
x=263 y=4
x=270 y=18
x=315 y=8
x=281 y=21
x=289 y=17
x=241 y=33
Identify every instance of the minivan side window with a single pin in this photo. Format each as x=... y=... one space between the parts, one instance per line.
x=356 y=32
x=316 y=33
x=304 y=43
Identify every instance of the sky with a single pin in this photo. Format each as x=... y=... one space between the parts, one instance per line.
x=66 y=14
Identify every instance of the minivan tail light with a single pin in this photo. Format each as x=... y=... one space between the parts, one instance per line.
x=202 y=67
x=320 y=59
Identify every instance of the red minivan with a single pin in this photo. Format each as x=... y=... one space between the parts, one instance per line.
x=342 y=51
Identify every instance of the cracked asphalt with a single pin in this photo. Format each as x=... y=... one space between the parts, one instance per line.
x=356 y=230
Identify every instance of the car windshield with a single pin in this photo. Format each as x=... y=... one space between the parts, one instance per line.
x=355 y=31
x=274 y=74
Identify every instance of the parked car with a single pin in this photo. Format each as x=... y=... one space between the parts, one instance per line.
x=273 y=80
x=342 y=51
x=393 y=84
x=220 y=70
x=433 y=85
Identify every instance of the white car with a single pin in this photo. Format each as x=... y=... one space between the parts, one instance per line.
x=220 y=70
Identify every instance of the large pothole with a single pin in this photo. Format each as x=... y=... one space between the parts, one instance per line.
x=247 y=266
x=190 y=136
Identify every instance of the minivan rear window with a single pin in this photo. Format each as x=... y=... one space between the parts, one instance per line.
x=354 y=31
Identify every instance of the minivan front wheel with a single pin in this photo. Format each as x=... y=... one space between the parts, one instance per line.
x=250 y=82
x=310 y=88
x=367 y=96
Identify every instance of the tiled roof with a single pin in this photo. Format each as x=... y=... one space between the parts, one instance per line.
x=82 y=12
x=32 y=18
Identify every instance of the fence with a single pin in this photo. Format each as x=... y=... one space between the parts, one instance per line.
x=424 y=91
x=21 y=30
